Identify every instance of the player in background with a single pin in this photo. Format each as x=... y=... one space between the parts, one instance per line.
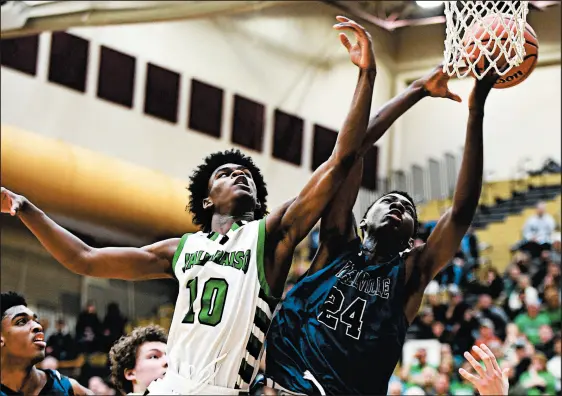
x=342 y=327
x=138 y=358
x=231 y=272
x=23 y=346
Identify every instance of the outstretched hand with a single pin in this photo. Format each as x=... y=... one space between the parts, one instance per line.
x=11 y=202
x=491 y=379
x=362 y=53
x=435 y=85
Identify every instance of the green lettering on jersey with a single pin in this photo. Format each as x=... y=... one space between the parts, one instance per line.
x=237 y=259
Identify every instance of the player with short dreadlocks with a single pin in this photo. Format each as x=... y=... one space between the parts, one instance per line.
x=231 y=272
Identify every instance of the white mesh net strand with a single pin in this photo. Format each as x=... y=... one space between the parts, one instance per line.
x=472 y=22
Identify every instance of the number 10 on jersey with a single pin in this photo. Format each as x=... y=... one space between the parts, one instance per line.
x=212 y=301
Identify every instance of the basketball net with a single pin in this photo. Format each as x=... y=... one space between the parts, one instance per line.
x=506 y=41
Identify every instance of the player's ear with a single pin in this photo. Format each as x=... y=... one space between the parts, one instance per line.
x=2 y=341
x=207 y=203
x=258 y=204
x=130 y=375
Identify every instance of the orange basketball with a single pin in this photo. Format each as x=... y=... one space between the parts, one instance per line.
x=515 y=75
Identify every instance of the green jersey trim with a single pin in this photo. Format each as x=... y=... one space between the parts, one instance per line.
x=260 y=252
x=178 y=251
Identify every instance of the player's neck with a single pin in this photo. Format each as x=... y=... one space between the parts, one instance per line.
x=377 y=251
x=18 y=376
x=222 y=223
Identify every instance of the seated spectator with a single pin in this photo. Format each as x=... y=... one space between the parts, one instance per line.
x=556 y=251
x=138 y=359
x=510 y=279
x=465 y=334
x=422 y=325
x=113 y=325
x=455 y=309
x=61 y=345
x=485 y=309
x=537 y=231
x=395 y=388
x=537 y=380
x=439 y=309
x=523 y=291
x=99 y=387
x=552 y=300
x=521 y=359
x=88 y=329
x=459 y=385
x=440 y=385
x=50 y=363
x=486 y=336
x=554 y=365
x=469 y=246
x=546 y=341
x=551 y=278
x=530 y=321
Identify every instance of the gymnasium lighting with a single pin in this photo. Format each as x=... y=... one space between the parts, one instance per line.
x=429 y=4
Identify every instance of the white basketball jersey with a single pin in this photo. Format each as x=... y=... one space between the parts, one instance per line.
x=223 y=308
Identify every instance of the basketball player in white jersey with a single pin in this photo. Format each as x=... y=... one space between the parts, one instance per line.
x=232 y=271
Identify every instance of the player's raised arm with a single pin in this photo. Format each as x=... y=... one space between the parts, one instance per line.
x=149 y=262
x=445 y=239
x=288 y=225
x=338 y=226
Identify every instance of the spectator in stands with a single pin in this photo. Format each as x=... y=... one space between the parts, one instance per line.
x=556 y=251
x=486 y=336
x=485 y=309
x=459 y=385
x=439 y=309
x=537 y=231
x=440 y=385
x=50 y=363
x=523 y=291
x=395 y=388
x=88 y=329
x=554 y=365
x=61 y=345
x=552 y=309
x=138 y=359
x=469 y=246
x=522 y=359
x=422 y=326
x=456 y=308
x=99 y=387
x=529 y=322
x=546 y=341
x=537 y=380
x=113 y=325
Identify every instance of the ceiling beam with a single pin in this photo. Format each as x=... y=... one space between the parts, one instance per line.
x=388 y=24
x=101 y=13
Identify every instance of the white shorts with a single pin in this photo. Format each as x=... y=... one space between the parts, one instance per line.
x=174 y=384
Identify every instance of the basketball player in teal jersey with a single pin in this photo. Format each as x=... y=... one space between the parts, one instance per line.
x=341 y=328
x=230 y=272
x=22 y=347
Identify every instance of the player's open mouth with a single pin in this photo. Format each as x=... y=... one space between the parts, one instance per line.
x=39 y=340
x=395 y=214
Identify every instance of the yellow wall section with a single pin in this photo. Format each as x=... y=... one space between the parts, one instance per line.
x=89 y=186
